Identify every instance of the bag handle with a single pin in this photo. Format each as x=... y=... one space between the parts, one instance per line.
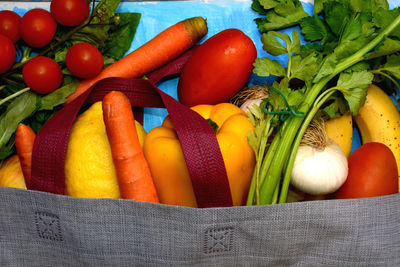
x=198 y=141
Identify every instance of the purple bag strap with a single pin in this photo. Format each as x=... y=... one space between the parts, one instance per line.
x=197 y=138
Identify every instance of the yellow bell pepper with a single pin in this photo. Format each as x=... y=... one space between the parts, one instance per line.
x=167 y=164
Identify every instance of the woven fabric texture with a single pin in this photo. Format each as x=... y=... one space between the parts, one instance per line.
x=42 y=229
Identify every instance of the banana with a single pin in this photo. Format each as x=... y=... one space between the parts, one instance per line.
x=379 y=121
x=340 y=130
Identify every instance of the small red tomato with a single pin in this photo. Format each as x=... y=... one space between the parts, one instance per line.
x=84 y=60
x=7 y=53
x=9 y=24
x=69 y=12
x=42 y=74
x=372 y=172
x=37 y=27
x=218 y=69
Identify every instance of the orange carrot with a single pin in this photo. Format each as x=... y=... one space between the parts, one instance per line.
x=164 y=47
x=24 y=140
x=133 y=172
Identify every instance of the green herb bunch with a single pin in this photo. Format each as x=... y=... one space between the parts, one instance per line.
x=349 y=45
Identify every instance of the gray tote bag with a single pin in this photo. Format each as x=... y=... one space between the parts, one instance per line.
x=43 y=229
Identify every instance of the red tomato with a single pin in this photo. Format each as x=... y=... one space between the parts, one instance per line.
x=7 y=53
x=218 y=69
x=69 y=12
x=9 y=24
x=42 y=74
x=372 y=172
x=84 y=60
x=37 y=27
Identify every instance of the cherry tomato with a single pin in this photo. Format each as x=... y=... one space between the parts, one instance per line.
x=218 y=69
x=372 y=172
x=69 y=12
x=42 y=74
x=9 y=24
x=37 y=27
x=84 y=60
x=7 y=53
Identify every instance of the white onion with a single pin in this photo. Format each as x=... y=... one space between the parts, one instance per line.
x=319 y=171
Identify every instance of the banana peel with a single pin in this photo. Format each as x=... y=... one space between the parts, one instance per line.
x=340 y=130
x=379 y=121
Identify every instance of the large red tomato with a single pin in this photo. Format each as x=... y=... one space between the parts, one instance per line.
x=372 y=172
x=42 y=74
x=37 y=27
x=218 y=69
x=69 y=12
x=7 y=53
x=9 y=24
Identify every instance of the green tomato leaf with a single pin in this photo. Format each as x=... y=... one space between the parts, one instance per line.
x=120 y=40
x=59 y=96
x=5 y=152
x=21 y=108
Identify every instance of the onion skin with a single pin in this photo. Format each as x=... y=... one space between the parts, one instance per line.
x=319 y=171
x=250 y=103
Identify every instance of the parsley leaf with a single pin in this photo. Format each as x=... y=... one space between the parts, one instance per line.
x=285 y=14
x=354 y=87
x=265 y=67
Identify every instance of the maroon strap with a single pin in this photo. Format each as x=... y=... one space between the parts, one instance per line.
x=198 y=141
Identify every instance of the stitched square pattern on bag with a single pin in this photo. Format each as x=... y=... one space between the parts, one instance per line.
x=218 y=240
x=48 y=226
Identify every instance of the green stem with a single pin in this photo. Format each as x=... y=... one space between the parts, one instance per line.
x=272 y=177
x=266 y=162
x=289 y=64
x=292 y=156
x=4 y=100
x=255 y=181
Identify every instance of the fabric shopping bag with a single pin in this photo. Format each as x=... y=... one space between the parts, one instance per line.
x=43 y=227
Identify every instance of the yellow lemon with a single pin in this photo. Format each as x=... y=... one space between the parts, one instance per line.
x=89 y=168
x=11 y=173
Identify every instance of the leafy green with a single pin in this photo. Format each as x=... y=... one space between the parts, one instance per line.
x=284 y=14
x=266 y=67
x=111 y=32
x=21 y=108
x=354 y=88
x=349 y=42
x=58 y=97
x=121 y=39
